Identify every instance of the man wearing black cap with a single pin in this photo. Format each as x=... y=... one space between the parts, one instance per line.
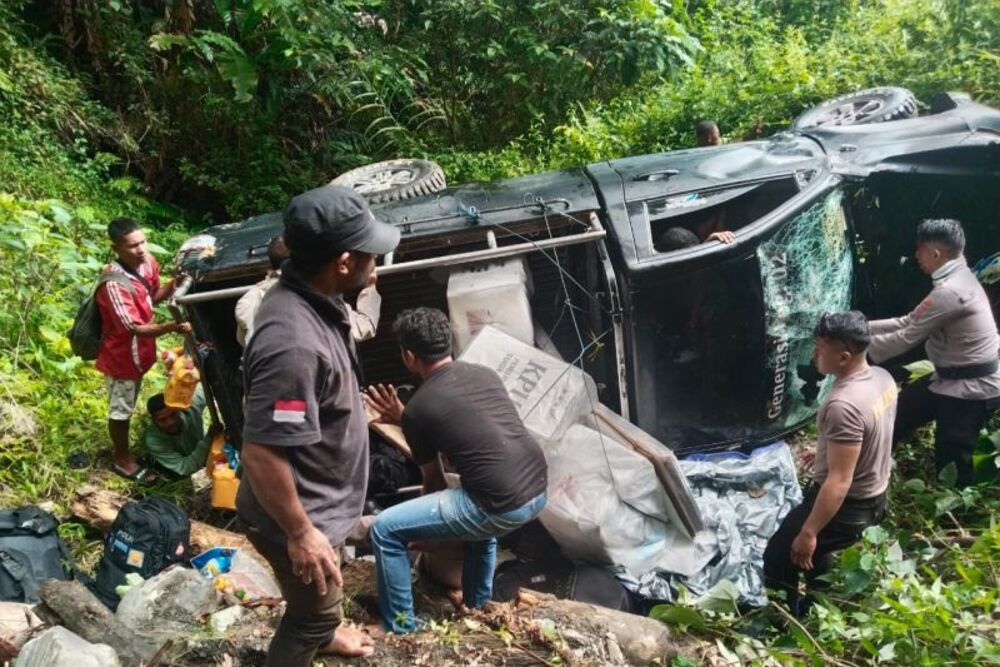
x=305 y=441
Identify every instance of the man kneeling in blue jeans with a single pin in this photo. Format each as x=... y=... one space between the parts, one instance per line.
x=462 y=412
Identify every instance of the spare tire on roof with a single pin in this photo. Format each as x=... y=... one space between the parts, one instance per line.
x=394 y=180
x=874 y=105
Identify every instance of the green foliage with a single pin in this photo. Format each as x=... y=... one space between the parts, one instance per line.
x=938 y=605
x=921 y=589
x=758 y=70
x=232 y=106
x=499 y=67
x=49 y=258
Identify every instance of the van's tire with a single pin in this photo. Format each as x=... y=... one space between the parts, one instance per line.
x=874 y=105
x=394 y=180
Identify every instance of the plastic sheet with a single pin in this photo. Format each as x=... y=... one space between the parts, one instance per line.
x=608 y=502
x=743 y=500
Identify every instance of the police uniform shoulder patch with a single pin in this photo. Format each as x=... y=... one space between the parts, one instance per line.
x=922 y=307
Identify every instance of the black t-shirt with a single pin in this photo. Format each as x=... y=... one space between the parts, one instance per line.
x=463 y=411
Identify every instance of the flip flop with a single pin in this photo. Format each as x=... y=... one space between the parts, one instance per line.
x=142 y=475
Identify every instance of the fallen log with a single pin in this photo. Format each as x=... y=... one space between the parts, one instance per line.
x=99 y=507
x=535 y=629
x=81 y=612
x=641 y=640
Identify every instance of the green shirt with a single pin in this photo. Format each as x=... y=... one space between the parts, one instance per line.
x=185 y=452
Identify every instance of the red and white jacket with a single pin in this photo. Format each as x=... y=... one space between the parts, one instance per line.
x=123 y=355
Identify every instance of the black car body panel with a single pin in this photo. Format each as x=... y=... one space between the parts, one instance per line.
x=704 y=348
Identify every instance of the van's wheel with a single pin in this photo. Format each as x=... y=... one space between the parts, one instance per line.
x=394 y=180
x=875 y=105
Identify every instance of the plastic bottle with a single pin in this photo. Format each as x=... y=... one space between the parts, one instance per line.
x=216 y=453
x=224 y=487
x=181 y=384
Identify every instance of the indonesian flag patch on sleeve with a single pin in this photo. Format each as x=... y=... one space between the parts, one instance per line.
x=290 y=411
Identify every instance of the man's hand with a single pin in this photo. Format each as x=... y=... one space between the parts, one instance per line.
x=807 y=458
x=179 y=327
x=313 y=559
x=803 y=548
x=385 y=401
x=721 y=237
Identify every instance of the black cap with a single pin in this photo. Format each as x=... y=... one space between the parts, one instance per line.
x=326 y=221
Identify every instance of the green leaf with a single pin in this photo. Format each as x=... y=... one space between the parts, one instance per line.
x=684 y=617
x=850 y=558
x=875 y=535
x=49 y=334
x=241 y=72
x=915 y=485
x=856 y=581
x=6 y=85
x=720 y=598
x=948 y=476
x=887 y=653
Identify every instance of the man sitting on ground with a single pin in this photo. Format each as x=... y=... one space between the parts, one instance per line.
x=853 y=457
x=461 y=411
x=176 y=438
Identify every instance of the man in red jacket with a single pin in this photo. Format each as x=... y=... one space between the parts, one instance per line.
x=128 y=338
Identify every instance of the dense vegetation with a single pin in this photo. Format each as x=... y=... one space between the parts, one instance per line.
x=180 y=112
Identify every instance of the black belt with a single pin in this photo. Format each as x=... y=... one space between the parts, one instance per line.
x=970 y=372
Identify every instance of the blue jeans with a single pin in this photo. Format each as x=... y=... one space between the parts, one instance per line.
x=446 y=515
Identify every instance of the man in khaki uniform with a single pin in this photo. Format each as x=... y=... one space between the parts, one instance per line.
x=956 y=325
x=364 y=316
x=852 y=464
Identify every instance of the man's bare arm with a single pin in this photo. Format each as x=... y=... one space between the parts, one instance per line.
x=165 y=290
x=155 y=330
x=842 y=458
x=271 y=479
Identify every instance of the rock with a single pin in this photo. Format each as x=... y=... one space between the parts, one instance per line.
x=221 y=621
x=168 y=605
x=59 y=647
x=16 y=422
x=16 y=618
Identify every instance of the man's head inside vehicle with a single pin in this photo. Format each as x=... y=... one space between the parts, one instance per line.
x=677 y=238
x=331 y=234
x=277 y=252
x=424 y=336
x=938 y=241
x=707 y=133
x=128 y=241
x=166 y=418
x=841 y=340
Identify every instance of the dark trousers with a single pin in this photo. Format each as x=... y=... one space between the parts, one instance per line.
x=310 y=619
x=843 y=530
x=958 y=420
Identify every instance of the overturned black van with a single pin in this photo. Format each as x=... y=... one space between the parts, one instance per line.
x=707 y=347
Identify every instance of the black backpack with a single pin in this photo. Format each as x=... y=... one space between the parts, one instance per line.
x=85 y=334
x=560 y=577
x=146 y=537
x=30 y=553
